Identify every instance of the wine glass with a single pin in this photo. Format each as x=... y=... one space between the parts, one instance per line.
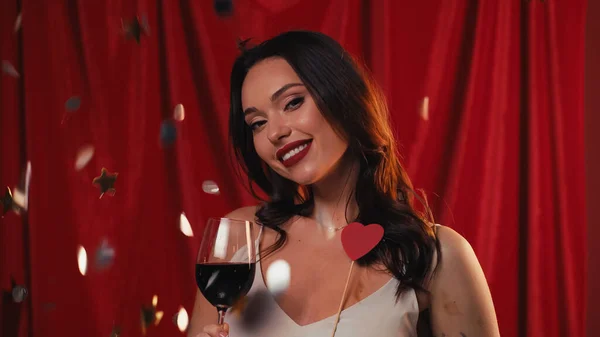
x=226 y=262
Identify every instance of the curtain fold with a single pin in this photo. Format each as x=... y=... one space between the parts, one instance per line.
x=499 y=152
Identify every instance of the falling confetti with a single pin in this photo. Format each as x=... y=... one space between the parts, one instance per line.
x=7 y=201
x=179 y=112
x=149 y=315
x=105 y=255
x=73 y=104
x=181 y=319
x=116 y=331
x=168 y=133
x=223 y=7
x=210 y=187
x=278 y=277
x=136 y=28
x=9 y=69
x=19 y=293
x=184 y=226
x=18 y=22
x=424 y=111
x=21 y=193
x=84 y=155
x=82 y=260
x=106 y=182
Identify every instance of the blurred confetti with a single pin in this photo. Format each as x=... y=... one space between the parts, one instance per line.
x=168 y=133
x=136 y=28
x=9 y=69
x=223 y=7
x=73 y=104
x=278 y=277
x=181 y=319
x=7 y=202
x=184 y=226
x=116 y=331
x=19 y=293
x=179 y=112
x=105 y=255
x=82 y=260
x=21 y=194
x=424 y=110
x=18 y=22
x=106 y=182
x=84 y=155
x=149 y=315
x=210 y=187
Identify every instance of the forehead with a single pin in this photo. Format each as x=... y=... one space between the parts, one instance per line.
x=266 y=77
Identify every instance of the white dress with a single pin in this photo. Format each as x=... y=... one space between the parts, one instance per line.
x=376 y=315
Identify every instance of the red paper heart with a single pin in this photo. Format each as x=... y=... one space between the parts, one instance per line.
x=358 y=239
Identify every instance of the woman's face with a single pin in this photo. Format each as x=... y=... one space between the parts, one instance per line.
x=290 y=133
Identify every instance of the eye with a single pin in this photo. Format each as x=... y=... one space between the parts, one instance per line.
x=256 y=125
x=295 y=103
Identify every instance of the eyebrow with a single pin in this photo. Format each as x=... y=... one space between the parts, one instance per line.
x=275 y=95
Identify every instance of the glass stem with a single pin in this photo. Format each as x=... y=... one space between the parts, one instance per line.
x=221 y=312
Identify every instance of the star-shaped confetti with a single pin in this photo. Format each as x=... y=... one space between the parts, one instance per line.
x=149 y=315
x=136 y=28
x=106 y=182
x=7 y=202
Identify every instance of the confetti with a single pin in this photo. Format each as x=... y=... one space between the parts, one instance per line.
x=82 y=260
x=105 y=255
x=18 y=22
x=168 y=133
x=19 y=293
x=84 y=155
x=7 y=202
x=73 y=104
x=181 y=319
x=210 y=187
x=9 y=69
x=179 y=112
x=136 y=28
x=424 y=111
x=21 y=194
x=223 y=7
x=278 y=277
x=184 y=226
x=116 y=331
x=149 y=315
x=106 y=182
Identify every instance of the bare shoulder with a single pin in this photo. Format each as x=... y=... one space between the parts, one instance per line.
x=461 y=302
x=243 y=213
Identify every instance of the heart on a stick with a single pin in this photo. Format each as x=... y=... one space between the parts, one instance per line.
x=358 y=239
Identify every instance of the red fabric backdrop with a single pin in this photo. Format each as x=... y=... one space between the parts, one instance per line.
x=501 y=153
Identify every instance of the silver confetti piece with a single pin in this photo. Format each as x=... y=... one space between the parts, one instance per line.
x=210 y=187
x=84 y=155
x=19 y=293
x=73 y=103
x=9 y=69
x=105 y=255
x=179 y=112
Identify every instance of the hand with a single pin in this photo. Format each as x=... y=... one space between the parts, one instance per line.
x=214 y=330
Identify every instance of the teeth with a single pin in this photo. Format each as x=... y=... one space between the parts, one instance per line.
x=294 y=152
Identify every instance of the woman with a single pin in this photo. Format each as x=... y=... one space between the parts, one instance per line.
x=311 y=129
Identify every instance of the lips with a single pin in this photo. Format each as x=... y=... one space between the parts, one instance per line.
x=290 y=146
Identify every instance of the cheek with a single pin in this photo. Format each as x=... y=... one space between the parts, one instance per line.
x=263 y=148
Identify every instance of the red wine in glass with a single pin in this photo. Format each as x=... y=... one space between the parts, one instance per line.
x=226 y=262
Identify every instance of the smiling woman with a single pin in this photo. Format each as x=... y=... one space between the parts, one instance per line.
x=310 y=128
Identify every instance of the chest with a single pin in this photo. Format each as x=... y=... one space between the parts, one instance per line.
x=318 y=275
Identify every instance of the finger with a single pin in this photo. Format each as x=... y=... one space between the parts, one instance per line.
x=202 y=334
x=226 y=327
x=213 y=330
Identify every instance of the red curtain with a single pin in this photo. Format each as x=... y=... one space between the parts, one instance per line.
x=500 y=152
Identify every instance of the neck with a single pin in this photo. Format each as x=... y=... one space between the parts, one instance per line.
x=334 y=195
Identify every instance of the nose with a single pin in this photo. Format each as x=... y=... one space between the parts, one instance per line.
x=277 y=130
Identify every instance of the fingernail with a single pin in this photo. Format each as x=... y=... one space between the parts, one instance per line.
x=223 y=334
